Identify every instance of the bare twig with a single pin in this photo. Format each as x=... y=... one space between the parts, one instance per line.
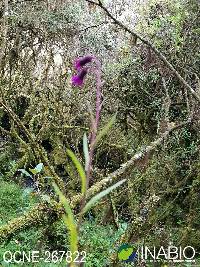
x=164 y=120
x=4 y=30
x=92 y=27
x=167 y=100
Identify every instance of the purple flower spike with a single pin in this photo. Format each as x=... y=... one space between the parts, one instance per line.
x=77 y=80
x=81 y=62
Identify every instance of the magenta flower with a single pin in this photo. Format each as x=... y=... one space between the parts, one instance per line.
x=77 y=80
x=81 y=62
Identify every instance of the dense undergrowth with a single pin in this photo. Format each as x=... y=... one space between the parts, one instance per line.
x=14 y=200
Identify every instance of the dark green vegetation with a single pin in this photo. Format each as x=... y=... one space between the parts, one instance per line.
x=42 y=115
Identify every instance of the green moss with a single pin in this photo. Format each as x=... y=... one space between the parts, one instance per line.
x=11 y=201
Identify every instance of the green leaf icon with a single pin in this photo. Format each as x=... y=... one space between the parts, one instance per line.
x=125 y=254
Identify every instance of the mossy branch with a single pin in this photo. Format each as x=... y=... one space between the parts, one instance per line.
x=37 y=216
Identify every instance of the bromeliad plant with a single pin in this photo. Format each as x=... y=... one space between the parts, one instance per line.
x=85 y=66
x=81 y=65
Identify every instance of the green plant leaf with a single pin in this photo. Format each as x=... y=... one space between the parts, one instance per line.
x=33 y=171
x=102 y=194
x=25 y=172
x=37 y=169
x=80 y=170
x=68 y=220
x=106 y=129
x=86 y=151
x=73 y=234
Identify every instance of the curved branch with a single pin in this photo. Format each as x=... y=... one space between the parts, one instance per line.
x=37 y=216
